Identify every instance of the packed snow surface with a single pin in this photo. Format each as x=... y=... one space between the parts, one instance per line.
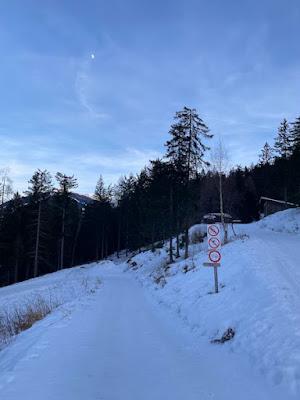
x=145 y=332
x=259 y=282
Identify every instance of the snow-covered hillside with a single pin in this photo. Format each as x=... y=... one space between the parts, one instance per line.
x=61 y=290
x=142 y=329
x=259 y=293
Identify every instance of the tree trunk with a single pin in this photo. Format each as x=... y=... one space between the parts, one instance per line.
x=106 y=246
x=62 y=239
x=127 y=237
x=177 y=236
x=222 y=209
x=27 y=270
x=187 y=222
x=76 y=238
x=152 y=237
x=37 y=241
x=102 y=243
x=17 y=266
x=285 y=183
x=186 y=254
x=97 y=248
x=119 y=239
x=171 y=224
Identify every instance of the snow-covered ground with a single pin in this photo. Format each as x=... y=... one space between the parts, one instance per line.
x=145 y=332
x=60 y=290
x=259 y=293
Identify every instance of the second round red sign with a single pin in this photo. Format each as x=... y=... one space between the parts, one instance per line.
x=214 y=243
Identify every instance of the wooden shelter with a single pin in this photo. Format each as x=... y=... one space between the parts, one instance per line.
x=270 y=206
x=212 y=218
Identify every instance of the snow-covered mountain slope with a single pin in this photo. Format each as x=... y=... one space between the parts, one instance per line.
x=259 y=293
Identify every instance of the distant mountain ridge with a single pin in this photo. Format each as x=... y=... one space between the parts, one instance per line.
x=81 y=199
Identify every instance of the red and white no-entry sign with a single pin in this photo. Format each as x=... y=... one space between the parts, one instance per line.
x=214 y=243
x=213 y=230
x=213 y=237
x=214 y=247
x=214 y=256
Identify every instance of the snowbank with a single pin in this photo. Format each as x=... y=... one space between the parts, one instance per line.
x=51 y=291
x=284 y=221
x=258 y=298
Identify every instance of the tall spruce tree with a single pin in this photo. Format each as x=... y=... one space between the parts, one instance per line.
x=187 y=150
x=126 y=187
x=266 y=156
x=13 y=234
x=283 y=147
x=102 y=214
x=66 y=183
x=40 y=187
x=295 y=135
x=102 y=194
x=282 y=144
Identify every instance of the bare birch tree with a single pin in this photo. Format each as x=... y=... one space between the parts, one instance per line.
x=220 y=162
x=6 y=189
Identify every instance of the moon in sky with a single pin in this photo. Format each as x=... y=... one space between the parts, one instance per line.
x=92 y=55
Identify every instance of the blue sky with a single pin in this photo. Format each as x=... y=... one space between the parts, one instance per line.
x=236 y=62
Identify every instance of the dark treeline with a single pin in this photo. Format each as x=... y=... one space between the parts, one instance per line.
x=47 y=229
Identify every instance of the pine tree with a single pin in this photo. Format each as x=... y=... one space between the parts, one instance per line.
x=13 y=229
x=102 y=194
x=186 y=151
x=126 y=191
x=295 y=135
x=102 y=214
x=40 y=187
x=65 y=184
x=282 y=144
x=266 y=156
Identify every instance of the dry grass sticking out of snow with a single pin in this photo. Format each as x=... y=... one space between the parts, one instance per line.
x=26 y=303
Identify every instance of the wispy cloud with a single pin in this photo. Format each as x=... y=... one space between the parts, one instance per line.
x=62 y=110
x=86 y=167
x=83 y=84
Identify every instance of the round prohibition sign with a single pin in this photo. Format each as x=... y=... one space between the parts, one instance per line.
x=214 y=242
x=214 y=256
x=213 y=230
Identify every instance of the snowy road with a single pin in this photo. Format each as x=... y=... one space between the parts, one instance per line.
x=122 y=346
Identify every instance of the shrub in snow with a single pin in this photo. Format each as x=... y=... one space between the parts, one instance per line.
x=197 y=233
x=196 y=237
x=227 y=335
x=160 y=280
x=188 y=268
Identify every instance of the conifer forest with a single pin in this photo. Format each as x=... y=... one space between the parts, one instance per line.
x=51 y=227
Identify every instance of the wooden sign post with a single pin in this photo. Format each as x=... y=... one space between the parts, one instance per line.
x=214 y=255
